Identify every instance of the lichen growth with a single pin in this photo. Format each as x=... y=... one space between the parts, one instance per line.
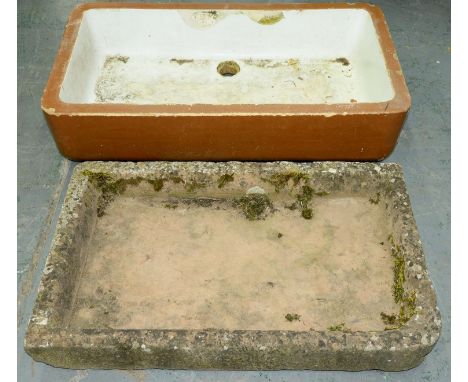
x=224 y=179
x=406 y=299
x=292 y=317
x=254 y=206
x=339 y=328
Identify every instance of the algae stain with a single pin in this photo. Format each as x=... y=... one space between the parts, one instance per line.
x=181 y=61
x=342 y=60
x=118 y=58
x=271 y=19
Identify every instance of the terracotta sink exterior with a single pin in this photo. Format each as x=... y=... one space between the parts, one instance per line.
x=226 y=82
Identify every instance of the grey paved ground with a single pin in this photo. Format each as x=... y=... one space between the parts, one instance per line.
x=421 y=31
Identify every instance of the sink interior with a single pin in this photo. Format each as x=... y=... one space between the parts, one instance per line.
x=168 y=56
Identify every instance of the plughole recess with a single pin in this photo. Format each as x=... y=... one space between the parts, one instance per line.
x=228 y=68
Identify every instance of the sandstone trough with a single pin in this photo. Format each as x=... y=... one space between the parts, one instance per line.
x=235 y=266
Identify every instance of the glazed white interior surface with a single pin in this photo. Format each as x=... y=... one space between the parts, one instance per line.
x=163 y=56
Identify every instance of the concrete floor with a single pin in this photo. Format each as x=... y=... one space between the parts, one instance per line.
x=421 y=32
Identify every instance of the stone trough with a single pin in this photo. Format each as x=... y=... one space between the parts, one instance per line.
x=235 y=265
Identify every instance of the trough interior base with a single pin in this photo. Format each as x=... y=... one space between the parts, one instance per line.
x=193 y=267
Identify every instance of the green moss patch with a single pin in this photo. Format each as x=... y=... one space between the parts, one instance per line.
x=254 y=206
x=293 y=179
x=111 y=187
x=339 y=328
x=292 y=317
x=303 y=199
x=375 y=199
x=406 y=299
x=307 y=213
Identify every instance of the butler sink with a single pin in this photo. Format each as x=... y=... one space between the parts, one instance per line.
x=226 y=81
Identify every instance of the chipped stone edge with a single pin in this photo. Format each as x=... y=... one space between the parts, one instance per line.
x=49 y=340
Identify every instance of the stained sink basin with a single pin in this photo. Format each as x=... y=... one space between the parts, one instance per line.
x=235 y=266
x=226 y=81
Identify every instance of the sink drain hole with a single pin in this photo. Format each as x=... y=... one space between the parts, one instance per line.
x=228 y=68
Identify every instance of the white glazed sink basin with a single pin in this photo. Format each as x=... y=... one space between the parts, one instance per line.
x=171 y=56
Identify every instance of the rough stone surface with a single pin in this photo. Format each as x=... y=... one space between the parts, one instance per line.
x=49 y=339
